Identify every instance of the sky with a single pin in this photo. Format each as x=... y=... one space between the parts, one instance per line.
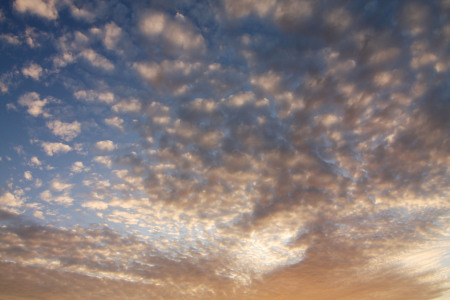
x=269 y=149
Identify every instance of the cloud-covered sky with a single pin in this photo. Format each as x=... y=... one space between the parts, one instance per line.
x=270 y=149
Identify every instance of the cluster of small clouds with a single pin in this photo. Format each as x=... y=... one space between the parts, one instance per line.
x=289 y=144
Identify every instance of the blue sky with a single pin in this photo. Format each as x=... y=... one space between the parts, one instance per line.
x=224 y=149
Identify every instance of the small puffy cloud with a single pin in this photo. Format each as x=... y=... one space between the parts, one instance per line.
x=105 y=160
x=177 y=32
x=78 y=167
x=66 y=131
x=27 y=175
x=38 y=183
x=10 y=39
x=63 y=199
x=115 y=122
x=19 y=150
x=95 y=205
x=34 y=104
x=91 y=95
x=172 y=75
x=105 y=145
x=54 y=148
x=58 y=185
x=46 y=195
x=38 y=214
x=130 y=105
x=240 y=9
x=35 y=162
x=10 y=200
x=96 y=59
x=81 y=13
x=42 y=8
x=112 y=34
x=33 y=70
x=242 y=99
x=338 y=18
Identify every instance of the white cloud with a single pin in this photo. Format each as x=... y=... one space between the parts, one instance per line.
x=34 y=104
x=130 y=105
x=115 y=122
x=177 y=32
x=46 y=195
x=240 y=9
x=240 y=99
x=19 y=150
x=31 y=37
x=81 y=13
x=63 y=199
x=105 y=145
x=54 y=148
x=96 y=59
x=95 y=205
x=105 y=160
x=38 y=214
x=33 y=70
x=42 y=8
x=112 y=35
x=78 y=167
x=58 y=185
x=38 y=183
x=92 y=95
x=66 y=131
x=11 y=39
x=10 y=200
x=27 y=175
x=34 y=161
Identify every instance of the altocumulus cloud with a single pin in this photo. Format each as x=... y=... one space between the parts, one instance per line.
x=266 y=150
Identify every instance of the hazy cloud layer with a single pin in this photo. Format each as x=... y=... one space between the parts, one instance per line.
x=230 y=150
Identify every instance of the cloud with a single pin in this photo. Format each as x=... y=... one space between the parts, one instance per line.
x=277 y=149
x=115 y=122
x=38 y=214
x=9 y=200
x=35 y=162
x=105 y=145
x=105 y=160
x=62 y=199
x=75 y=45
x=79 y=167
x=177 y=32
x=66 y=131
x=95 y=205
x=33 y=70
x=244 y=8
x=96 y=59
x=91 y=95
x=112 y=35
x=129 y=105
x=10 y=38
x=34 y=104
x=58 y=185
x=54 y=148
x=28 y=175
x=42 y=8
x=82 y=13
